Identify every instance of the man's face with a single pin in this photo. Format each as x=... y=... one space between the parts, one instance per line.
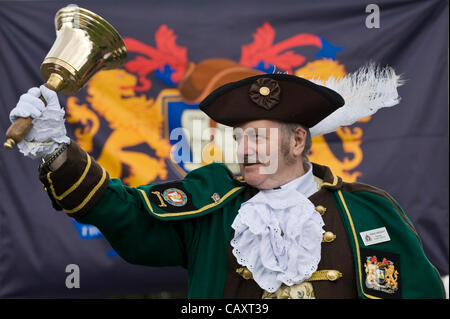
x=264 y=157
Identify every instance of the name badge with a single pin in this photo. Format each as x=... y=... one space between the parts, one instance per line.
x=375 y=236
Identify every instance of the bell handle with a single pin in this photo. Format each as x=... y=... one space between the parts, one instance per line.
x=20 y=128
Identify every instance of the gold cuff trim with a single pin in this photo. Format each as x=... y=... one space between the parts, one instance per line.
x=330 y=275
x=192 y=212
x=90 y=195
x=74 y=186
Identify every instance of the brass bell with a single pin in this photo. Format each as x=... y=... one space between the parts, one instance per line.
x=85 y=43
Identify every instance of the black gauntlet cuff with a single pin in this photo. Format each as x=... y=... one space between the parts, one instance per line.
x=77 y=184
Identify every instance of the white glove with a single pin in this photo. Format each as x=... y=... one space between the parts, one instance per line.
x=48 y=129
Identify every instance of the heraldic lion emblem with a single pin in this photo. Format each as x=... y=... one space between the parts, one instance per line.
x=133 y=120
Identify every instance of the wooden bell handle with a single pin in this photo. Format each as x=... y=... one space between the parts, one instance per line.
x=17 y=131
x=20 y=128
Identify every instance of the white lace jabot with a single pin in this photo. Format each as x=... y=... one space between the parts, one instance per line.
x=278 y=234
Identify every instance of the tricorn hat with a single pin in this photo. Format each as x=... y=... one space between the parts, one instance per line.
x=280 y=97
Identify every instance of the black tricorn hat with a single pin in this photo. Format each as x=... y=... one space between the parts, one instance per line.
x=277 y=97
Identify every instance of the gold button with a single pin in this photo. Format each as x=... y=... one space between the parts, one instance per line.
x=332 y=275
x=328 y=237
x=247 y=274
x=264 y=90
x=321 y=210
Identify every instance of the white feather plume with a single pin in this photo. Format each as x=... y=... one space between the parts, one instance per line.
x=365 y=91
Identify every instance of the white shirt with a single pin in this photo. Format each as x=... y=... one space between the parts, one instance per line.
x=278 y=234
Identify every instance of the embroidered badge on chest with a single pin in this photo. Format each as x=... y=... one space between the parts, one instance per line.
x=215 y=197
x=175 y=197
x=381 y=273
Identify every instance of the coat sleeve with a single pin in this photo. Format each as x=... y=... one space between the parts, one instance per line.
x=155 y=225
x=135 y=235
x=84 y=191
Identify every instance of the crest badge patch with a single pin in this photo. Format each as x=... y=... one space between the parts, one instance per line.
x=175 y=197
x=215 y=197
x=381 y=273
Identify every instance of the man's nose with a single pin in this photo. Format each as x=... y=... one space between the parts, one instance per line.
x=240 y=151
x=245 y=149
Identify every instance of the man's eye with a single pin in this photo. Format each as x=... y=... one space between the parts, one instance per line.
x=257 y=138
x=260 y=139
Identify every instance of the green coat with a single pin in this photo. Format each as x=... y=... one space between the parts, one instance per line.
x=188 y=223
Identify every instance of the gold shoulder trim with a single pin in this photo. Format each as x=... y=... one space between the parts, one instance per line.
x=192 y=212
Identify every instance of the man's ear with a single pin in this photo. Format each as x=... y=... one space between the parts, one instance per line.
x=299 y=142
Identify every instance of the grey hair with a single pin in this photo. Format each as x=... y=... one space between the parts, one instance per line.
x=288 y=129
